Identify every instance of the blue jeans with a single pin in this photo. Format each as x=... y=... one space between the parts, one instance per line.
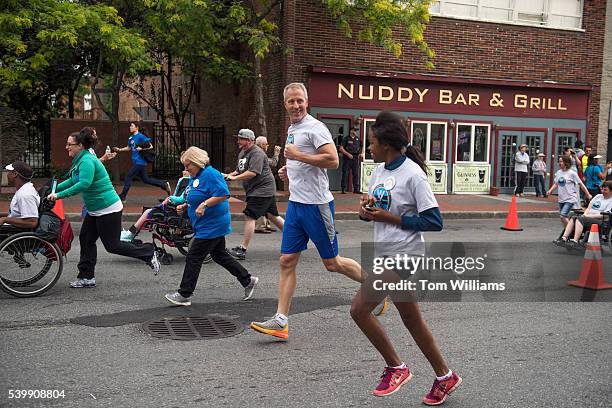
x=140 y=171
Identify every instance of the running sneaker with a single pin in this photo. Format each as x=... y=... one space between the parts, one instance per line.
x=207 y=259
x=178 y=299
x=248 y=291
x=83 y=283
x=238 y=252
x=154 y=263
x=382 y=307
x=272 y=327
x=441 y=389
x=391 y=380
x=126 y=236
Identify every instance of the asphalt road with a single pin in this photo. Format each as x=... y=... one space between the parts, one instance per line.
x=89 y=342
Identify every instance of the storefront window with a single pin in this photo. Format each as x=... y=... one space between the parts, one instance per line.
x=365 y=131
x=472 y=143
x=430 y=139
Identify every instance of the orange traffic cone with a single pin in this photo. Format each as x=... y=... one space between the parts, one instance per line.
x=58 y=209
x=512 y=223
x=591 y=274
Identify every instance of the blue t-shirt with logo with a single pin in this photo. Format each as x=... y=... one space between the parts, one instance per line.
x=216 y=221
x=133 y=142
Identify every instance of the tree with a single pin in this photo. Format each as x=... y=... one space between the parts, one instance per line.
x=200 y=40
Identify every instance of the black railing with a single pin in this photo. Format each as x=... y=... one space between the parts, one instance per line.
x=38 y=148
x=169 y=145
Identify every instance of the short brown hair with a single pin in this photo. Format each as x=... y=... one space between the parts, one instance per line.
x=607 y=184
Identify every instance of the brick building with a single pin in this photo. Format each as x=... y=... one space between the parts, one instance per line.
x=506 y=72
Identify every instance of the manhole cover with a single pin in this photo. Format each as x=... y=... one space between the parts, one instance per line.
x=192 y=327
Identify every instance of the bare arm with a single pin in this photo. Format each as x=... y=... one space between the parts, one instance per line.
x=344 y=152
x=247 y=175
x=21 y=222
x=325 y=158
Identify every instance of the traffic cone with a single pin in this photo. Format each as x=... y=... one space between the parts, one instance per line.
x=591 y=274
x=58 y=209
x=512 y=223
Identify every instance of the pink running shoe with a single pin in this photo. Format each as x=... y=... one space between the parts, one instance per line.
x=441 y=389
x=391 y=380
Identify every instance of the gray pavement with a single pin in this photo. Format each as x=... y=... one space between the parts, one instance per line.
x=89 y=342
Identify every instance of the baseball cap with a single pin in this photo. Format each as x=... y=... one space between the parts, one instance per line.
x=246 y=134
x=597 y=156
x=23 y=169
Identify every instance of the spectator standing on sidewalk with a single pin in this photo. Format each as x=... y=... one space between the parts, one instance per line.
x=263 y=225
x=351 y=157
x=208 y=209
x=609 y=170
x=539 y=172
x=88 y=176
x=521 y=161
x=138 y=143
x=258 y=182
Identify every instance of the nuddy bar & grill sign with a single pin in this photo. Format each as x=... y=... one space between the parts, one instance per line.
x=400 y=94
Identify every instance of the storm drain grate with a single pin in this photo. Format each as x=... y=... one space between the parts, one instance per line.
x=192 y=327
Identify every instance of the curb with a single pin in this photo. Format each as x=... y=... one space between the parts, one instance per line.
x=346 y=215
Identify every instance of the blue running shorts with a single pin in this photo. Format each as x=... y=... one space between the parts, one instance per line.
x=310 y=221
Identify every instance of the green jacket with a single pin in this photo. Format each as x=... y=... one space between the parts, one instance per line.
x=88 y=176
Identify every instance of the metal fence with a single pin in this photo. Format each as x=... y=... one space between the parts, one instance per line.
x=168 y=148
x=38 y=151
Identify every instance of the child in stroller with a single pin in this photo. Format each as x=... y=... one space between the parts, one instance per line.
x=168 y=227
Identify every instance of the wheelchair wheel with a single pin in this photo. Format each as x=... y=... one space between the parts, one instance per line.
x=29 y=265
x=167 y=259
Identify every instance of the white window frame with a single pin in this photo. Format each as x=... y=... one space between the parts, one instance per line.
x=428 y=139
x=472 y=141
x=443 y=5
x=364 y=136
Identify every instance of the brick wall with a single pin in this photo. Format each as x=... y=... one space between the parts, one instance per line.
x=464 y=49
x=62 y=128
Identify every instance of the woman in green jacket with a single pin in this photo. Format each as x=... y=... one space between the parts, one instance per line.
x=88 y=175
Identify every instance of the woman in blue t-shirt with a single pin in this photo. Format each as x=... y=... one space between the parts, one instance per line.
x=594 y=174
x=208 y=209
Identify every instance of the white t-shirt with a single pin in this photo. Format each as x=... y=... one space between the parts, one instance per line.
x=568 y=184
x=403 y=191
x=599 y=204
x=25 y=202
x=308 y=184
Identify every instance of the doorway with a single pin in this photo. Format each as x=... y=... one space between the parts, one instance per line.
x=509 y=142
x=339 y=128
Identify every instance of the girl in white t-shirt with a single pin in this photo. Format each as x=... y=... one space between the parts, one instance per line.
x=402 y=205
x=568 y=183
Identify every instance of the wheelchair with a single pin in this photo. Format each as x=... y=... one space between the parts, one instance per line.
x=168 y=228
x=605 y=231
x=30 y=263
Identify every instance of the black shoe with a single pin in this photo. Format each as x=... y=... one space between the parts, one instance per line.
x=238 y=252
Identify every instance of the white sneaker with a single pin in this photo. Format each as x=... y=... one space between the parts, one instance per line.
x=154 y=263
x=126 y=236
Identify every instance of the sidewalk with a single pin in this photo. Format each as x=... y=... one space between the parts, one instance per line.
x=452 y=206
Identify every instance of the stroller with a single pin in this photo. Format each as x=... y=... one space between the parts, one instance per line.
x=168 y=228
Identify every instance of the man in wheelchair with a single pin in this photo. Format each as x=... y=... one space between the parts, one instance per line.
x=23 y=210
x=594 y=214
